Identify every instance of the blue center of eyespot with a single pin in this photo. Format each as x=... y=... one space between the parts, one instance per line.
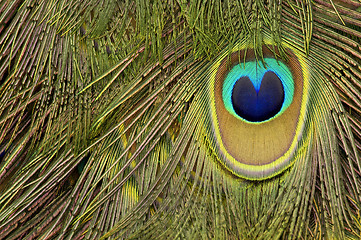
x=257 y=106
x=254 y=93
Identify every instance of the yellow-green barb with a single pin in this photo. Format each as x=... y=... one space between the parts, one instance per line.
x=112 y=125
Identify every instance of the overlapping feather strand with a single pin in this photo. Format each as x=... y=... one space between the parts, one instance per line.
x=107 y=132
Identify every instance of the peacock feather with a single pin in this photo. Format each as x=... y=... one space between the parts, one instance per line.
x=174 y=119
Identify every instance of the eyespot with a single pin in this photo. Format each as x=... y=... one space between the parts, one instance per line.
x=258 y=111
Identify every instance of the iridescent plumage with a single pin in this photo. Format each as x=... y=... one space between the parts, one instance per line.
x=116 y=119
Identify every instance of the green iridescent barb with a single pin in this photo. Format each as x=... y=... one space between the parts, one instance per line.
x=113 y=123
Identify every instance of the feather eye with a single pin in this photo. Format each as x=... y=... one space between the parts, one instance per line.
x=258 y=110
